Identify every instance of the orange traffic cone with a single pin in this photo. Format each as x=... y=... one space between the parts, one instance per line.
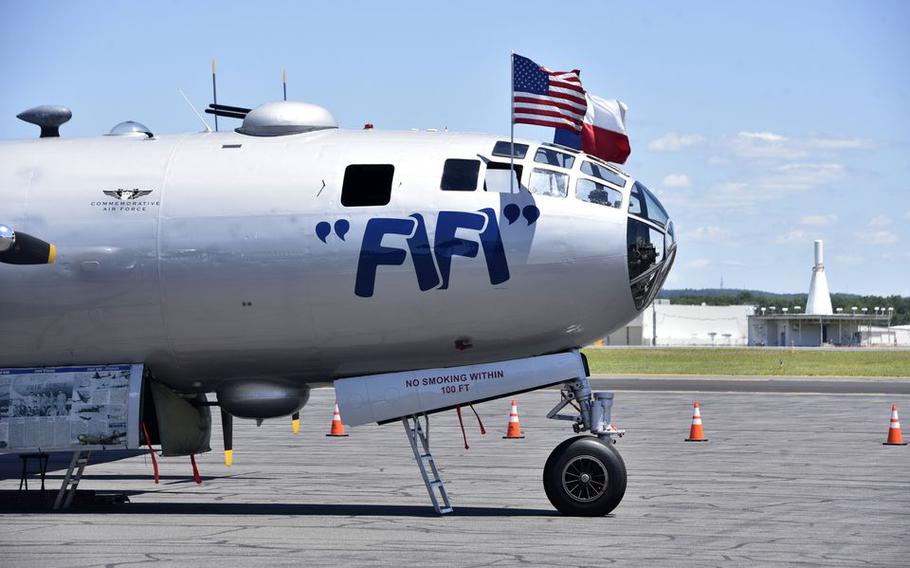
x=337 y=427
x=514 y=429
x=696 y=434
x=894 y=430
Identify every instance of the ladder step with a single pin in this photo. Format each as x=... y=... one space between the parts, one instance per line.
x=445 y=510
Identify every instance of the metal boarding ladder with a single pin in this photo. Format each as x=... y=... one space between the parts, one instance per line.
x=71 y=480
x=423 y=456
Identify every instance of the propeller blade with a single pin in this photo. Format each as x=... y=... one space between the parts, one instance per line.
x=227 y=430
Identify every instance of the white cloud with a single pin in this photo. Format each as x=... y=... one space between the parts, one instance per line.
x=848 y=259
x=765 y=145
x=793 y=236
x=877 y=237
x=879 y=221
x=818 y=220
x=699 y=263
x=717 y=161
x=708 y=233
x=763 y=136
x=673 y=142
x=775 y=184
x=839 y=143
x=676 y=180
x=768 y=145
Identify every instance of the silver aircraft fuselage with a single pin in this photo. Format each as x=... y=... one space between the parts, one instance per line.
x=207 y=257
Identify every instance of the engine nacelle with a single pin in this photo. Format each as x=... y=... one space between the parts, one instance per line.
x=262 y=398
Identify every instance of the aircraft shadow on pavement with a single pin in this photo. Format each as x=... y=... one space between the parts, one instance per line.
x=279 y=509
x=329 y=510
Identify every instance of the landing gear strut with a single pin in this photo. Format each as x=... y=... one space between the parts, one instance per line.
x=585 y=476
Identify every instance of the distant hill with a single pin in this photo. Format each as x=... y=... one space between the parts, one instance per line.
x=726 y=297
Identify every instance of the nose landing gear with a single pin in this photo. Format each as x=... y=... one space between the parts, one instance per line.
x=585 y=476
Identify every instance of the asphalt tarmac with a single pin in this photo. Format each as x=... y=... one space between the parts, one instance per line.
x=786 y=479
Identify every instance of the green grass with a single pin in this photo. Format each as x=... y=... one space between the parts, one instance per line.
x=753 y=362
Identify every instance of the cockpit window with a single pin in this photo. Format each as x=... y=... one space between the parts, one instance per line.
x=603 y=173
x=560 y=147
x=500 y=179
x=554 y=158
x=593 y=192
x=549 y=182
x=643 y=203
x=503 y=148
x=460 y=175
x=635 y=202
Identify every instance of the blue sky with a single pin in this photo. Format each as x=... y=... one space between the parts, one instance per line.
x=762 y=125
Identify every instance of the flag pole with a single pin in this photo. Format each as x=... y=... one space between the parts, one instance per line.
x=214 y=92
x=512 y=122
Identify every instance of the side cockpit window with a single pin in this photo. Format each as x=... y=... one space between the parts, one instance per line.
x=603 y=173
x=500 y=178
x=504 y=149
x=460 y=175
x=554 y=158
x=601 y=194
x=367 y=185
x=643 y=203
x=548 y=182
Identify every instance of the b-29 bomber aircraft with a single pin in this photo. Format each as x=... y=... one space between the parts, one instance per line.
x=417 y=272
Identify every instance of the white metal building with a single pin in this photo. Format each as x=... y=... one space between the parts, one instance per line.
x=680 y=325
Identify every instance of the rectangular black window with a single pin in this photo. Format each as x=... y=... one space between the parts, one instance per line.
x=503 y=148
x=367 y=185
x=460 y=175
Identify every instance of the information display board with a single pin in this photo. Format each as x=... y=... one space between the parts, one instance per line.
x=51 y=409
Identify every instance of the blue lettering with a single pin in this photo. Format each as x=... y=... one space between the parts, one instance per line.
x=432 y=265
x=373 y=254
x=448 y=245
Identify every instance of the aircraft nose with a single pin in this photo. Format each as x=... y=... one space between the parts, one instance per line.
x=651 y=242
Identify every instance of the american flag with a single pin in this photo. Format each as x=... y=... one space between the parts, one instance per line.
x=546 y=98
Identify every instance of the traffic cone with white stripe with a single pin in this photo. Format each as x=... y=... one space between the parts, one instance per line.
x=696 y=434
x=894 y=430
x=514 y=428
x=337 y=430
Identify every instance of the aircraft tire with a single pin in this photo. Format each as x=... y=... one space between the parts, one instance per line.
x=584 y=477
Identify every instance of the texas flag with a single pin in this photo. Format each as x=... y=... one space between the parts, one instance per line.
x=603 y=133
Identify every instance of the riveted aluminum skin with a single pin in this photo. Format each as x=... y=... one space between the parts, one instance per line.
x=198 y=255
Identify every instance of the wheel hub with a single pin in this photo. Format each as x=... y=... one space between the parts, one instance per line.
x=584 y=478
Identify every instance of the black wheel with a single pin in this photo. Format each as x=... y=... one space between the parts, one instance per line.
x=584 y=477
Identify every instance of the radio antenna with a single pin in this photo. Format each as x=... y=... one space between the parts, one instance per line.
x=196 y=112
x=214 y=92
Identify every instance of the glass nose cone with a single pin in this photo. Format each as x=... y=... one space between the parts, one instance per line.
x=651 y=243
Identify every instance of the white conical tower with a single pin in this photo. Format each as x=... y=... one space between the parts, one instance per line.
x=819 y=302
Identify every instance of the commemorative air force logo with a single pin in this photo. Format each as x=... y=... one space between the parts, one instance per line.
x=127 y=194
x=125 y=200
